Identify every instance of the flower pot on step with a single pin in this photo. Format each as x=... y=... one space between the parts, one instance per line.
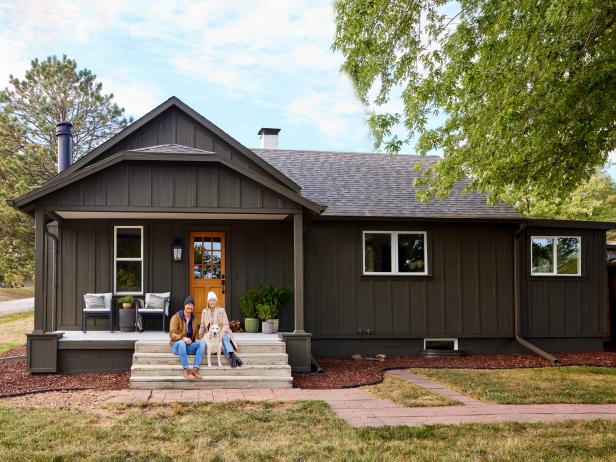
x=267 y=327
x=251 y=325
x=274 y=325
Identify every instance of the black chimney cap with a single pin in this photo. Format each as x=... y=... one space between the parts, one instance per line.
x=64 y=128
x=269 y=131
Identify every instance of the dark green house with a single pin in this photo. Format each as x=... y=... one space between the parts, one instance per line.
x=373 y=270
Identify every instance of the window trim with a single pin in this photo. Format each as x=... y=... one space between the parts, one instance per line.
x=555 y=256
x=394 y=254
x=116 y=259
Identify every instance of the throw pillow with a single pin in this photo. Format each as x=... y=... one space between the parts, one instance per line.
x=94 y=302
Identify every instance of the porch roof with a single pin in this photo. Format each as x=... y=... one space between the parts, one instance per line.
x=170 y=152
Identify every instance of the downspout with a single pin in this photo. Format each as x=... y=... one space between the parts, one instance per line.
x=516 y=301
x=54 y=278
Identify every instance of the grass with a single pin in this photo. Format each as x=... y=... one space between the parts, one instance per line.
x=15 y=293
x=549 y=385
x=13 y=329
x=270 y=432
x=407 y=394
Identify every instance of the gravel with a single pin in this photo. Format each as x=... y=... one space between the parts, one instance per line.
x=347 y=372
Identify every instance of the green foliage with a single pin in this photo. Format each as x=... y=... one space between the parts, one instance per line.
x=266 y=311
x=53 y=90
x=248 y=303
x=126 y=299
x=524 y=91
x=268 y=295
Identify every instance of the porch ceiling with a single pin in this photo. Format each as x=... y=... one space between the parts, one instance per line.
x=82 y=215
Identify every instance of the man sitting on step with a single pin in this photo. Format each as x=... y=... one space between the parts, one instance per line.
x=184 y=335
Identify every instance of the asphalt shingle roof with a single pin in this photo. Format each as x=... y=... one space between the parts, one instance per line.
x=374 y=184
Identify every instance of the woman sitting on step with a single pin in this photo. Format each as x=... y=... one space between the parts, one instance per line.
x=214 y=314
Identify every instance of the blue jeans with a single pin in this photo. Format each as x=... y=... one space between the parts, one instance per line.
x=195 y=348
x=227 y=348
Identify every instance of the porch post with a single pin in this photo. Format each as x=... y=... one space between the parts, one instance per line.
x=298 y=271
x=298 y=342
x=39 y=271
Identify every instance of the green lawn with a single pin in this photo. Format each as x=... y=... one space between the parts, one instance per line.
x=13 y=329
x=407 y=394
x=270 y=431
x=564 y=384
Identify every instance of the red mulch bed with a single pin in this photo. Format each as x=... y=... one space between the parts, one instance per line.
x=347 y=372
x=15 y=380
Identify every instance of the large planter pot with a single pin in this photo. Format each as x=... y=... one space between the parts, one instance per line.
x=267 y=327
x=127 y=320
x=274 y=323
x=251 y=325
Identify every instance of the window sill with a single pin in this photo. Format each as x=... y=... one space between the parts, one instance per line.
x=420 y=277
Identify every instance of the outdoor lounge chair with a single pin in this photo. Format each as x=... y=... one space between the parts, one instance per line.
x=151 y=308
x=90 y=311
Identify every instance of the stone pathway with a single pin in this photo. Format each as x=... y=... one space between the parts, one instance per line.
x=361 y=409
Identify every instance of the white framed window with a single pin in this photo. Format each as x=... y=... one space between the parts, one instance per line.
x=403 y=253
x=555 y=255
x=128 y=260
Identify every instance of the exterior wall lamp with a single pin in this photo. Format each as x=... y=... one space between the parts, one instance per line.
x=177 y=250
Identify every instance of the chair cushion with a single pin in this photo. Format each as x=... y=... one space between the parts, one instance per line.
x=95 y=302
x=156 y=307
x=155 y=303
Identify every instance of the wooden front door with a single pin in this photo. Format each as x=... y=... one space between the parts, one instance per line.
x=207 y=268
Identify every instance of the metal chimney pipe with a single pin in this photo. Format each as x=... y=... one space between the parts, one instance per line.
x=64 y=132
x=269 y=138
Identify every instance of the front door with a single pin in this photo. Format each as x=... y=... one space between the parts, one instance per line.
x=207 y=268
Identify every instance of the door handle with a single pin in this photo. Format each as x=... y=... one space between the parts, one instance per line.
x=223 y=283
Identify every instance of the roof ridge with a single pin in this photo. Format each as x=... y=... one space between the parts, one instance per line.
x=312 y=151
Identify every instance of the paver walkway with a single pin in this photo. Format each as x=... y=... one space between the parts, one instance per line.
x=361 y=409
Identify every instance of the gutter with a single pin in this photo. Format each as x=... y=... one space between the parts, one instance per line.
x=516 y=301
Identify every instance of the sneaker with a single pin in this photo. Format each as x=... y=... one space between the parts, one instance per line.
x=188 y=375
x=196 y=375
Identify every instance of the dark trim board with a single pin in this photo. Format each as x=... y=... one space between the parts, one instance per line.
x=483 y=346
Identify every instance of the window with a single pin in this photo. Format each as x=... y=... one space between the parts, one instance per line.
x=556 y=255
x=395 y=252
x=128 y=260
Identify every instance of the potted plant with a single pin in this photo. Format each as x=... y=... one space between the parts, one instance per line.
x=248 y=305
x=266 y=314
x=276 y=298
x=127 y=314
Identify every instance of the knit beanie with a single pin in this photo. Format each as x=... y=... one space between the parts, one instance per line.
x=188 y=300
x=211 y=295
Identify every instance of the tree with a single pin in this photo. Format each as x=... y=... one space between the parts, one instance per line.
x=52 y=91
x=524 y=90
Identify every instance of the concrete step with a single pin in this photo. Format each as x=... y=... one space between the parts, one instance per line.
x=245 y=346
x=247 y=358
x=147 y=370
x=210 y=382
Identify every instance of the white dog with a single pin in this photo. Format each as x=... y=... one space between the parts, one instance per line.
x=213 y=342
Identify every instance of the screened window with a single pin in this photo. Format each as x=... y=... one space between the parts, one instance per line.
x=395 y=252
x=128 y=260
x=556 y=255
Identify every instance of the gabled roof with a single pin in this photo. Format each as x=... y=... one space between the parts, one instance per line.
x=180 y=105
x=169 y=152
x=375 y=185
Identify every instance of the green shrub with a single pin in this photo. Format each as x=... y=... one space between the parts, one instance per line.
x=266 y=311
x=248 y=303
x=126 y=299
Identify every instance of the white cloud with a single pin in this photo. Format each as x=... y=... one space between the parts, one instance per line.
x=136 y=97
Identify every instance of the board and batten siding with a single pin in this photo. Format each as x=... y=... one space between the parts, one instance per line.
x=565 y=306
x=175 y=127
x=468 y=293
x=257 y=252
x=134 y=184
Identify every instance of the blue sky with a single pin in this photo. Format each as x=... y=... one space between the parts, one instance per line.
x=242 y=64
